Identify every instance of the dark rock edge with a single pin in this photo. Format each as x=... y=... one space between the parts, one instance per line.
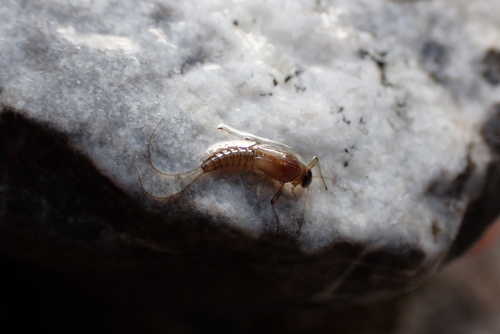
x=64 y=220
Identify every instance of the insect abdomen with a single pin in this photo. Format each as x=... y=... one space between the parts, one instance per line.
x=229 y=157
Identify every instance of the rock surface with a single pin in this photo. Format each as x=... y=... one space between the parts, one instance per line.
x=398 y=99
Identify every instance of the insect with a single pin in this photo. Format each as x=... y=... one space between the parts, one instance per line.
x=252 y=153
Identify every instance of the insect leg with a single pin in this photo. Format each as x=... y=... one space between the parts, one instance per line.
x=313 y=162
x=304 y=210
x=273 y=201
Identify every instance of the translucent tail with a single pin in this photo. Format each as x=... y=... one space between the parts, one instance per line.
x=177 y=185
x=182 y=181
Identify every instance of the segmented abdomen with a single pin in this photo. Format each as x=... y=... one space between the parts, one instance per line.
x=232 y=156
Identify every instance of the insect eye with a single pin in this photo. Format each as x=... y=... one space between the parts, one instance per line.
x=306 y=181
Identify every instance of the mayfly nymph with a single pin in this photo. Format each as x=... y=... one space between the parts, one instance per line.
x=254 y=153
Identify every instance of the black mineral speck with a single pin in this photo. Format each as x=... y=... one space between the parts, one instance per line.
x=378 y=57
x=435 y=59
x=491 y=66
x=491 y=130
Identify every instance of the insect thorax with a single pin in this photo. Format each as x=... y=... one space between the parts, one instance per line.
x=278 y=163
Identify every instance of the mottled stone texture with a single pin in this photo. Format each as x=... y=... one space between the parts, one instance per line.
x=87 y=224
x=398 y=99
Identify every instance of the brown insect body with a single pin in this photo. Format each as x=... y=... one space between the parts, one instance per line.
x=273 y=161
x=229 y=155
x=279 y=164
x=253 y=153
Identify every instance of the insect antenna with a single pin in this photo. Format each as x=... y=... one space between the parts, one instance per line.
x=307 y=189
x=314 y=162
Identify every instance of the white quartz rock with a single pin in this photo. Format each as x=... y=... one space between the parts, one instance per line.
x=388 y=94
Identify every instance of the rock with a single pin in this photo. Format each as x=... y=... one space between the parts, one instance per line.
x=396 y=98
